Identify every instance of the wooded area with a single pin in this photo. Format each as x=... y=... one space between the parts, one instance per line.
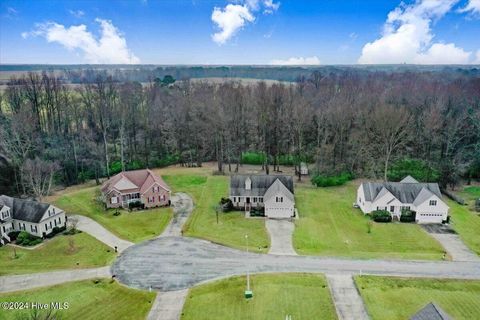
x=356 y=121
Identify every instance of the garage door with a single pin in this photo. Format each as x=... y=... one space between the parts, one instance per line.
x=428 y=217
x=278 y=212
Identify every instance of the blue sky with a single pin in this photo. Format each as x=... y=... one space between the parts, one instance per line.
x=240 y=31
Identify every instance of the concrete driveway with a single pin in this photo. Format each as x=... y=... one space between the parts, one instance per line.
x=174 y=263
x=182 y=207
x=280 y=231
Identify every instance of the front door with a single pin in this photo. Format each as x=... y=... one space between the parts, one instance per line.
x=248 y=199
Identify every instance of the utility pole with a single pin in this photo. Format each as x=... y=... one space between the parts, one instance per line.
x=248 y=292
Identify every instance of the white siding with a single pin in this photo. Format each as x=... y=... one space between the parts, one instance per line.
x=432 y=214
x=274 y=209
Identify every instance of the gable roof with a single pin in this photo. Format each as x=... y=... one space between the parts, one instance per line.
x=276 y=188
x=260 y=184
x=431 y=312
x=409 y=179
x=25 y=210
x=403 y=191
x=136 y=180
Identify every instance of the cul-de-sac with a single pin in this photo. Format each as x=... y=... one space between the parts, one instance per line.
x=239 y=159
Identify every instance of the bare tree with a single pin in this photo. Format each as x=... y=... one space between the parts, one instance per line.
x=38 y=175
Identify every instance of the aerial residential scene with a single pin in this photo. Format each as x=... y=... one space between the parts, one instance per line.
x=239 y=159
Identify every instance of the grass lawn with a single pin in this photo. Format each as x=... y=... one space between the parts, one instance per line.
x=400 y=298
x=91 y=299
x=57 y=253
x=470 y=193
x=467 y=225
x=206 y=191
x=303 y=296
x=135 y=226
x=329 y=225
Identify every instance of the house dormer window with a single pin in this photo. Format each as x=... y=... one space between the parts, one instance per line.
x=248 y=184
x=433 y=202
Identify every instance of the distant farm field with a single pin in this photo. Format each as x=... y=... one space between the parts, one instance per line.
x=301 y=296
x=329 y=225
x=399 y=298
x=87 y=300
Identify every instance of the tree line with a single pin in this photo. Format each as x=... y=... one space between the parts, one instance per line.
x=361 y=122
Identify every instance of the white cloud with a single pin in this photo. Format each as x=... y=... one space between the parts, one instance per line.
x=111 y=47
x=297 y=61
x=477 y=57
x=77 y=13
x=407 y=37
x=234 y=17
x=472 y=6
x=229 y=20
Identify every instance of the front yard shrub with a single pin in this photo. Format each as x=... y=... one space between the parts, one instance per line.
x=26 y=239
x=56 y=230
x=320 y=180
x=407 y=215
x=226 y=204
x=381 y=216
x=136 y=205
x=257 y=212
x=13 y=235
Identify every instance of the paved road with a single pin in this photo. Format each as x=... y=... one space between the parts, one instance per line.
x=281 y=231
x=96 y=230
x=168 y=305
x=347 y=300
x=182 y=207
x=174 y=263
x=35 y=280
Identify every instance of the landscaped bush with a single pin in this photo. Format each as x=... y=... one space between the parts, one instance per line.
x=136 y=205
x=56 y=230
x=226 y=204
x=13 y=235
x=26 y=239
x=330 y=181
x=407 y=215
x=381 y=216
x=257 y=212
x=418 y=169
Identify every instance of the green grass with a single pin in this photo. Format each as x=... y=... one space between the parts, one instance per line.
x=329 y=225
x=470 y=193
x=87 y=300
x=467 y=224
x=400 y=298
x=206 y=191
x=303 y=296
x=135 y=226
x=56 y=254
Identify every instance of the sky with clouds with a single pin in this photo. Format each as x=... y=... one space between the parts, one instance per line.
x=280 y=32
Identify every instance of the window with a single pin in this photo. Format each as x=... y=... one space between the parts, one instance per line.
x=46 y=227
x=433 y=202
x=55 y=221
x=114 y=200
x=392 y=208
x=50 y=224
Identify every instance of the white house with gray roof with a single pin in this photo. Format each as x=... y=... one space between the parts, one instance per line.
x=423 y=198
x=34 y=217
x=271 y=192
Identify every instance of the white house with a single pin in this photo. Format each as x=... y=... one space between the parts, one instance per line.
x=271 y=192
x=36 y=218
x=423 y=198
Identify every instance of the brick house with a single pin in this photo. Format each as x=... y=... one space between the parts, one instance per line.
x=136 y=186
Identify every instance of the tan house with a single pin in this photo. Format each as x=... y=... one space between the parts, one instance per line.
x=142 y=186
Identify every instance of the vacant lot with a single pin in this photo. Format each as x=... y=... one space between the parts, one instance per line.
x=135 y=226
x=302 y=296
x=61 y=252
x=400 y=298
x=91 y=299
x=329 y=225
x=206 y=191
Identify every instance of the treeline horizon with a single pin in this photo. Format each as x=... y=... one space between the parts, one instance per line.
x=360 y=121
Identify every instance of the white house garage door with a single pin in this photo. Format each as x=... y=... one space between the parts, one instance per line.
x=426 y=217
x=278 y=212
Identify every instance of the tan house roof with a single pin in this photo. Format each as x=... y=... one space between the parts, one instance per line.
x=134 y=181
